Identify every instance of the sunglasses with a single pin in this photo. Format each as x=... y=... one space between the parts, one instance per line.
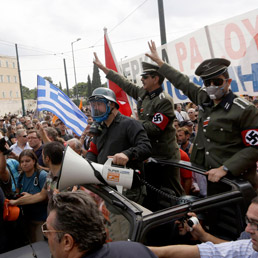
x=24 y=136
x=45 y=230
x=216 y=82
x=146 y=76
x=29 y=128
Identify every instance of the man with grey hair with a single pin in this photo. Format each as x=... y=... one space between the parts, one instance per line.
x=21 y=144
x=75 y=228
x=76 y=145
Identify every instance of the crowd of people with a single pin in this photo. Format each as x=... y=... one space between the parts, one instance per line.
x=216 y=130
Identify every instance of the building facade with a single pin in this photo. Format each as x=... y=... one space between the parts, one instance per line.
x=9 y=79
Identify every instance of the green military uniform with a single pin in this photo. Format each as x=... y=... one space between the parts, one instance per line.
x=153 y=109
x=227 y=132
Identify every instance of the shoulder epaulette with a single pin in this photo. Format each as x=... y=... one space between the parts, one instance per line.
x=241 y=102
x=162 y=95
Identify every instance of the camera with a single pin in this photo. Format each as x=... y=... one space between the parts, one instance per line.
x=95 y=129
x=3 y=148
x=192 y=221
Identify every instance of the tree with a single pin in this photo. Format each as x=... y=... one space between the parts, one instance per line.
x=96 y=82
x=60 y=86
x=48 y=78
x=89 y=87
x=29 y=94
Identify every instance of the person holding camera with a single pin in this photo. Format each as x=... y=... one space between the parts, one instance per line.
x=245 y=247
x=117 y=136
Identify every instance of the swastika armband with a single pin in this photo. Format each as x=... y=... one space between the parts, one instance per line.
x=250 y=137
x=160 y=120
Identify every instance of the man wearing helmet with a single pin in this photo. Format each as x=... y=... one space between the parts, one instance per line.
x=155 y=110
x=117 y=136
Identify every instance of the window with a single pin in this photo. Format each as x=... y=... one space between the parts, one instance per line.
x=3 y=94
x=15 y=79
x=8 y=78
x=13 y=64
x=11 y=93
x=17 y=94
x=0 y=63
x=1 y=78
x=7 y=64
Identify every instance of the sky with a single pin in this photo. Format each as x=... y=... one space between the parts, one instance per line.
x=45 y=29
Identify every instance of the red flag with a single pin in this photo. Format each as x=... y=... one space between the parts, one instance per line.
x=122 y=99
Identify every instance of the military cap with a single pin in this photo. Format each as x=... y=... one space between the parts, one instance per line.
x=211 y=68
x=148 y=68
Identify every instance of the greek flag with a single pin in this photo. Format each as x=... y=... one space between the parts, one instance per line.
x=52 y=99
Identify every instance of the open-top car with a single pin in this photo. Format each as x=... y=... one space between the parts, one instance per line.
x=222 y=214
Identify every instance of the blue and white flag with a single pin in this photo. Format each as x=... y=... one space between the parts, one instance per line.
x=52 y=99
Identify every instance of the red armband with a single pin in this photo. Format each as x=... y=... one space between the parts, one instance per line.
x=160 y=120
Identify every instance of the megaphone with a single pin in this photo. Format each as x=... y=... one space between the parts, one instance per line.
x=76 y=170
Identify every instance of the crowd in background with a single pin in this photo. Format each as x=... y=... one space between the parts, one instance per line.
x=26 y=135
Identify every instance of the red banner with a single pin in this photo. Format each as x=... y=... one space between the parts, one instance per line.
x=124 y=106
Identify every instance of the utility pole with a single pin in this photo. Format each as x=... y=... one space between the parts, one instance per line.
x=19 y=74
x=162 y=27
x=66 y=80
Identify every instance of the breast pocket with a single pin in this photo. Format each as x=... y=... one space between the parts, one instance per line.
x=222 y=134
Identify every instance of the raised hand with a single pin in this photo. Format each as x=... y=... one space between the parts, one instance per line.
x=154 y=54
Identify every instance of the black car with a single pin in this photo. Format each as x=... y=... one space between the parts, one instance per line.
x=222 y=214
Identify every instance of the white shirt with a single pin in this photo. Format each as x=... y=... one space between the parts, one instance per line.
x=233 y=249
x=182 y=116
x=17 y=150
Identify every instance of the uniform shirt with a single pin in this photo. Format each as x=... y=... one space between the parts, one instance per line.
x=227 y=132
x=122 y=249
x=233 y=249
x=156 y=113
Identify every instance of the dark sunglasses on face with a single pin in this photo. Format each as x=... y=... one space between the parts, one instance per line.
x=216 y=82
x=24 y=136
x=146 y=76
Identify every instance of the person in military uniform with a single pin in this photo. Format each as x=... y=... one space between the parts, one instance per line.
x=117 y=136
x=155 y=110
x=227 y=139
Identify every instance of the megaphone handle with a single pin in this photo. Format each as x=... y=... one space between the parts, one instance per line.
x=109 y=162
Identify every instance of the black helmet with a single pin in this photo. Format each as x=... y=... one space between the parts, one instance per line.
x=105 y=93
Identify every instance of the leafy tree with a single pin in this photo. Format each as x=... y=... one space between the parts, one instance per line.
x=60 y=86
x=89 y=87
x=29 y=94
x=48 y=78
x=96 y=82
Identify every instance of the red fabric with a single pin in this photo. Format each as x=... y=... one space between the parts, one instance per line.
x=250 y=137
x=124 y=106
x=93 y=148
x=160 y=120
x=184 y=173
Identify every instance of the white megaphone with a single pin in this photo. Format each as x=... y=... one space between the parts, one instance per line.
x=76 y=170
